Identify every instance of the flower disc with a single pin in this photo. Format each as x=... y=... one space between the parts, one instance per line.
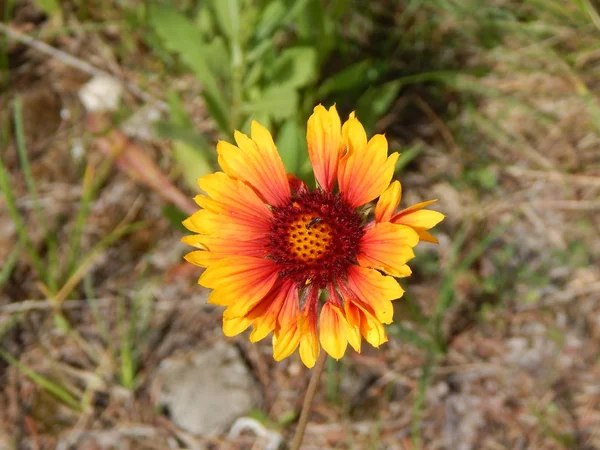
x=315 y=237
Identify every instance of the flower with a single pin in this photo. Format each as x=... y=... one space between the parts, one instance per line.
x=273 y=249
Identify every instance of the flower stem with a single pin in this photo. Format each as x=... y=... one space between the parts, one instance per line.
x=308 y=398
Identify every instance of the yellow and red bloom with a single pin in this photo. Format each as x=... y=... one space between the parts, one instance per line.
x=271 y=247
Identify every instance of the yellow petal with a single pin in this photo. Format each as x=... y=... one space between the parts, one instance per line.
x=365 y=171
x=285 y=342
x=233 y=327
x=416 y=207
x=371 y=328
x=332 y=330
x=426 y=236
x=256 y=163
x=388 y=202
x=353 y=334
x=309 y=343
x=424 y=219
x=324 y=140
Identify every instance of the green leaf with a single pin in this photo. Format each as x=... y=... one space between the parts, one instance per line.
x=296 y=67
x=407 y=155
x=374 y=103
x=217 y=55
x=349 y=78
x=227 y=13
x=175 y=216
x=191 y=162
x=185 y=134
x=279 y=102
x=180 y=128
x=50 y=7
x=257 y=52
x=180 y=36
x=406 y=334
x=289 y=143
x=315 y=25
x=253 y=75
x=177 y=113
x=270 y=19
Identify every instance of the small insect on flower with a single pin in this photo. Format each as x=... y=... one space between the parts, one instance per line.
x=313 y=221
x=271 y=246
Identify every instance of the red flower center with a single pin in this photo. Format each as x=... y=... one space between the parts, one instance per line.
x=314 y=238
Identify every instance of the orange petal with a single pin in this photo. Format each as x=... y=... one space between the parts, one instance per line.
x=376 y=290
x=265 y=314
x=387 y=247
x=423 y=219
x=217 y=248
x=239 y=282
x=286 y=336
x=230 y=196
x=365 y=171
x=297 y=186
x=332 y=330
x=256 y=162
x=388 y=202
x=324 y=140
x=290 y=308
x=233 y=210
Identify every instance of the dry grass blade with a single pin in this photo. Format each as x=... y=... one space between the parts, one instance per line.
x=554 y=176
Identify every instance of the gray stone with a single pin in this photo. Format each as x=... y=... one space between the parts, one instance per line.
x=207 y=390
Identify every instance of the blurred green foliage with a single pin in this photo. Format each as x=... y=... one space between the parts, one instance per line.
x=268 y=61
x=251 y=63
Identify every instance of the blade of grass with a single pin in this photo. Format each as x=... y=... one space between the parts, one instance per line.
x=13 y=212
x=407 y=335
x=447 y=297
x=9 y=265
x=125 y=350
x=89 y=259
x=24 y=160
x=4 y=69
x=99 y=319
x=49 y=386
x=408 y=155
x=51 y=243
x=420 y=400
x=91 y=184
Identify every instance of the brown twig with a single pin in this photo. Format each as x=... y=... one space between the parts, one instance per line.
x=79 y=64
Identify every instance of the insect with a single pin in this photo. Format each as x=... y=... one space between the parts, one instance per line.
x=313 y=222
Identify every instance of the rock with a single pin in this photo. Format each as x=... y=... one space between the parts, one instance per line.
x=101 y=93
x=206 y=391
